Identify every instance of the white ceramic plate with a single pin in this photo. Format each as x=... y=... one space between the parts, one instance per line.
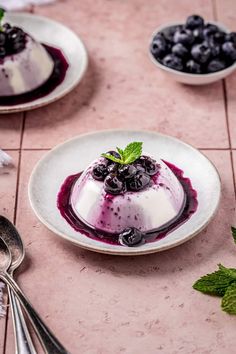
x=75 y=155
x=192 y=79
x=54 y=34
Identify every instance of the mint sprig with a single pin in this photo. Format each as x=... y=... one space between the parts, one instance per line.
x=220 y=283
x=233 y=230
x=216 y=283
x=127 y=156
x=2 y=13
x=228 y=303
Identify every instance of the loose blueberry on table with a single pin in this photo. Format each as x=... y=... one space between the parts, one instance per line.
x=127 y=198
x=195 y=47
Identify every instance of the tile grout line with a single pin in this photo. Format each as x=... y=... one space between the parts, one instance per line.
x=224 y=88
x=15 y=213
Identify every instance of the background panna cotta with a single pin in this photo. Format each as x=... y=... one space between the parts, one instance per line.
x=151 y=208
x=26 y=70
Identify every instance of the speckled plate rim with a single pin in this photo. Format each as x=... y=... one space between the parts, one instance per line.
x=100 y=247
x=51 y=97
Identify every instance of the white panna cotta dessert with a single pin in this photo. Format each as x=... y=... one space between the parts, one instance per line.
x=25 y=64
x=127 y=194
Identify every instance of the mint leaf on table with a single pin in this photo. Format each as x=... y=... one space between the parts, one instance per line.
x=228 y=303
x=233 y=230
x=216 y=283
x=127 y=156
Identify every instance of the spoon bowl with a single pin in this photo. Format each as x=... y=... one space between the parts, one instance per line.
x=11 y=237
x=5 y=257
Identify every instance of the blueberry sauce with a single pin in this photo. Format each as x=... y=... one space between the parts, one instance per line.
x=58 y=75
x=64 y=206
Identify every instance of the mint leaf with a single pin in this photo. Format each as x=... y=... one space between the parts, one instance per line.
x=230 y=272
x=112 y=158
x=2 y=12
x=228 y=303
x=216 y=283
x=132 y=152
x=233 y=230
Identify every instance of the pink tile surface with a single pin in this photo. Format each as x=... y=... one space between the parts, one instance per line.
x=10 y=130
x=227 y=15
x=7 y=203
x=122 y=88
x=102 y=304
x=99 y=304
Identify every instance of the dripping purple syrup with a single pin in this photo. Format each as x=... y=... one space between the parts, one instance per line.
x=58 y=75
x=64 y=206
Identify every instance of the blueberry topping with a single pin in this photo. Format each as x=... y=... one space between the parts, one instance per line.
x=180 y=50
x=201 y=52
x=229 y=50
x=184 y=36
x=138 y=182
x=150 y=166
x=2 y=52
x=131 y=237
x=194 y=21
x=113 y=185
x=112 y=168
x=215 y=65
x=139 y=167
x=99 y=172
x=2 y=38
x=173 y=62
x=127 y=171
x=113 y=153
x=193 y=67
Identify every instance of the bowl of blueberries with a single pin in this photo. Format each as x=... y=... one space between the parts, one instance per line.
x=194 y=53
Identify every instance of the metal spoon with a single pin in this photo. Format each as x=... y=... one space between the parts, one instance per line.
x=49 y=342
x=24 y=344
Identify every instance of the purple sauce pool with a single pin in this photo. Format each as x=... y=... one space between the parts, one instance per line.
x=58 y=75
x=63 y=203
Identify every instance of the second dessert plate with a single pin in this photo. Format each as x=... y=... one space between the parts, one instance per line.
x=56 y=35
x=75 y=155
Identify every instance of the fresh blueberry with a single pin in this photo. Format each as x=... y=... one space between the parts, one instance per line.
x=2 y=52
x=127 y=171
x=99 y=172
x=138 y=182
x=193 y=67
x=201 y=52
x=198 y=35
x=209 y=30
x=229 y=51
x=214 y=47
x=113 y=185
x=184 y=36
x=219 y=37
x=2 y=38
x=215 y=65
x=194 y=21
x=131 y=237
x=112 y=168
x=173 y=62
x=170 y=31
x=158 y=47
x=231 y=37
x=180 y=50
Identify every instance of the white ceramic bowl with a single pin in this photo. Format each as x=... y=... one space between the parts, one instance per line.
x=192 y=79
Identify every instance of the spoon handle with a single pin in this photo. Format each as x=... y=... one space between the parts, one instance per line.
x=49 y=342
x=24 y=344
